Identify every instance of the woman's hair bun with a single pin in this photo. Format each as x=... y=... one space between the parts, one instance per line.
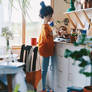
x=42 y=4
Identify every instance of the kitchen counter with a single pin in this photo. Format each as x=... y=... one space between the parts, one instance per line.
x=63 y=72
x=64 y=42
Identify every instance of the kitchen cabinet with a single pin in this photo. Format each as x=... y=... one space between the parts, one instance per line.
x=63 y=73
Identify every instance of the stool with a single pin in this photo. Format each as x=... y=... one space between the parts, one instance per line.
x=74 y=89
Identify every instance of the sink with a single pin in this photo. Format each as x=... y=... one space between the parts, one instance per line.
x=58 y=39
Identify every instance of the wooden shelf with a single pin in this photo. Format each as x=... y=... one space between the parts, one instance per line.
x=80 y=18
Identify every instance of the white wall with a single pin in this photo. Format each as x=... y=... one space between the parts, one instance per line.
x=60 y=7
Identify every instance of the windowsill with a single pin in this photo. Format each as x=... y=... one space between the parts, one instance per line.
x=16 y=47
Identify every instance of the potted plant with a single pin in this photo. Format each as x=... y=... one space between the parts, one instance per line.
x=8 y=35
x=73 y=36
x=78 y=56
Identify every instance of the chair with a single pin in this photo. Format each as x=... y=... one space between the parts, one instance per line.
x=34 y=76
x=74 y=89
x=29 y=54
x=35 y=50
x=24 y=53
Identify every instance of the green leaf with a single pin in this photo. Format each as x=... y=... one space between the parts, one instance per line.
x=74 y=34
x=67 y=53
x=76 y=55
x=16 y=88
x=83 y=63
x=84 y=52
x=75 y=44
x=90 y=39
x=87 y=74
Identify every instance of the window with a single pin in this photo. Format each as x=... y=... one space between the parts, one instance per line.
x=33 y=23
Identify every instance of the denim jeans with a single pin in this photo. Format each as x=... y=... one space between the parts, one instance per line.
x=45 y=64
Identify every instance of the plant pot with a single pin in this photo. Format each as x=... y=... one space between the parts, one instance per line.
x=87 y=89
x=72 y=39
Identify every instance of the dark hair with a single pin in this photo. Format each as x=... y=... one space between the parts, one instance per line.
x=45 y=10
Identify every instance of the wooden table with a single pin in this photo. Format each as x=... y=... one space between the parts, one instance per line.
x=10 y=69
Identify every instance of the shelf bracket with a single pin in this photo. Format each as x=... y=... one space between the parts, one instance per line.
x=71 y=21
x=79 y=20
x=87 y=18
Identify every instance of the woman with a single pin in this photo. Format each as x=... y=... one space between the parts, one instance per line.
x=46 y=44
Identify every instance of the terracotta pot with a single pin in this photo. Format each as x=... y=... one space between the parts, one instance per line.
x=72 y=39
x=87 y=89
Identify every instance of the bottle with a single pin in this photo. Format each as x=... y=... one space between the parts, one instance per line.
x=84 y=3
x=89 y=4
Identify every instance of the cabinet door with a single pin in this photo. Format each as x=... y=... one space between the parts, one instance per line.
x=51 y=78
x=61 y=73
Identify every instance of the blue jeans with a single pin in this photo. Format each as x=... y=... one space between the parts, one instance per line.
x=45 y=64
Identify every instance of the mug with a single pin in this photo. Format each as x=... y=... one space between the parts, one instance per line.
x=33 y=41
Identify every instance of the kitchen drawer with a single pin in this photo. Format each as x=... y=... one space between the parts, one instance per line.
x=61 y=83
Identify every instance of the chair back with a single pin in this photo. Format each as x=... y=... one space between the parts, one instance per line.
x=24 y=54
x=35 y=50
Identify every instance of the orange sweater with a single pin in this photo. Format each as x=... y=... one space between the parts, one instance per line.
x=46 y=43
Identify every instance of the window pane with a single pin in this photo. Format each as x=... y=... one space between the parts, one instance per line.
x=16 y=24
x=17 y=34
